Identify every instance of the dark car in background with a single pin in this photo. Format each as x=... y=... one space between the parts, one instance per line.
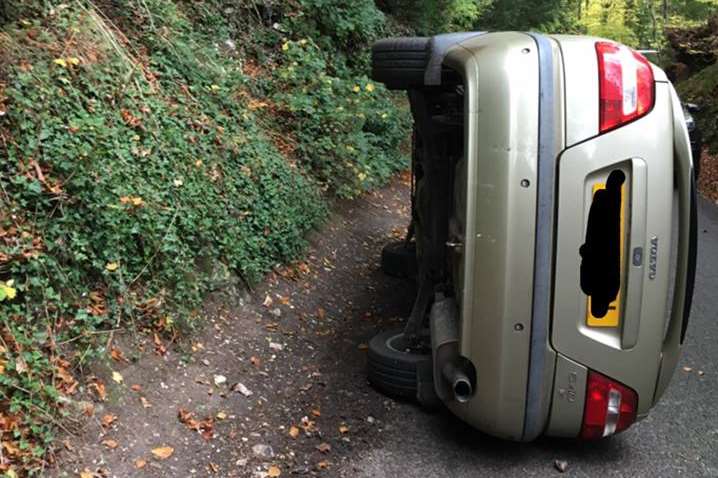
x=694 y=133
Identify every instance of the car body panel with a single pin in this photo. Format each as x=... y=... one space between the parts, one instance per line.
x=580 y=88
x=501 y=77
x=648 y=165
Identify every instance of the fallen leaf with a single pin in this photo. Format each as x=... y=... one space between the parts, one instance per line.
x=110 y=443
x=308 y=425
x=316 y=413
x=255 y=361
x=112 y=266
x=221 y=416
x=293 y=431
x=99 y=387
x=108 y=420
x=145 y=402
x=8 y=290
x=160 y=349
x=163 y=452
x=20 y=365
x=185 y=416
x=274 y=471
x=323 y=465
x=213 y=467
x=140 y=463
x=687 y=369
x=117 y=377
x=205 y=427
x=561 y=465
x=85 y=473
x=117 y=355
x=136 y=387
x=343 y=429
x=61 y=62
x=701 y=373
x=363 y=347
x=321 y=313
x=267 y=301
x=324 y=447
x=88 y=408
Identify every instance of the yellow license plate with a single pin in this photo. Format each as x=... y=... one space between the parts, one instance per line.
x=613 y=316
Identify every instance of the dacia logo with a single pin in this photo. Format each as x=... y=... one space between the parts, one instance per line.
x=653 y=258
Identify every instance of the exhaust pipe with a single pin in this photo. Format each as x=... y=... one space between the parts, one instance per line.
x=458 y=381
x=454 y=377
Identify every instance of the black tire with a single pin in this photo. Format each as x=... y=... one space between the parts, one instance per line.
x=392 y=367
x=398 y=259
x=400 y=63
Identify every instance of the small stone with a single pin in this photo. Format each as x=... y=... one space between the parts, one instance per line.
x=219 y=379
x=241 y=388
x=561 y=465
x=370 y=419
x=264 y=451
x=277 y=312
x=276 y=346
x=701 y=373
x=687 y=369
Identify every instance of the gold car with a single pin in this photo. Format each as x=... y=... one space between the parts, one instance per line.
x=554 y=228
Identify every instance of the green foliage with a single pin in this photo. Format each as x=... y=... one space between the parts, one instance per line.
x=348 y=23
x=702 y=89
x=133 y=169
x=546 y=15
x=342 y=27
x=347 y=128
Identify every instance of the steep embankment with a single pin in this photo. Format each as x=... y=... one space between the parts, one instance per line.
x=695 y=51
x=153 y=149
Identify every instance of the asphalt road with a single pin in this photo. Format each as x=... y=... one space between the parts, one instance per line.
x=679 y=438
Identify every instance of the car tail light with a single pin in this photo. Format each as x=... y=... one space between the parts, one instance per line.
x=610 y=407
x=626 y=86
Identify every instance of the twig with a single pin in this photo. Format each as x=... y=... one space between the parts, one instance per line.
x=91 y=332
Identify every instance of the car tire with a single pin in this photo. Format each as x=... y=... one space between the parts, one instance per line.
x=393 y=367
x=398 y=259
x=400 y=63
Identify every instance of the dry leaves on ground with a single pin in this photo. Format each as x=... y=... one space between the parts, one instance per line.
x=162 y=452
x=205 y=427
x=108 y=419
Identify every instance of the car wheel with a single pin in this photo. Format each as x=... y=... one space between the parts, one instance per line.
x=400 y=63
x=398 y=259
x=394 y=366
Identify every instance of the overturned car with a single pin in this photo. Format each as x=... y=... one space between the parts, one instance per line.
x=553 y=233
